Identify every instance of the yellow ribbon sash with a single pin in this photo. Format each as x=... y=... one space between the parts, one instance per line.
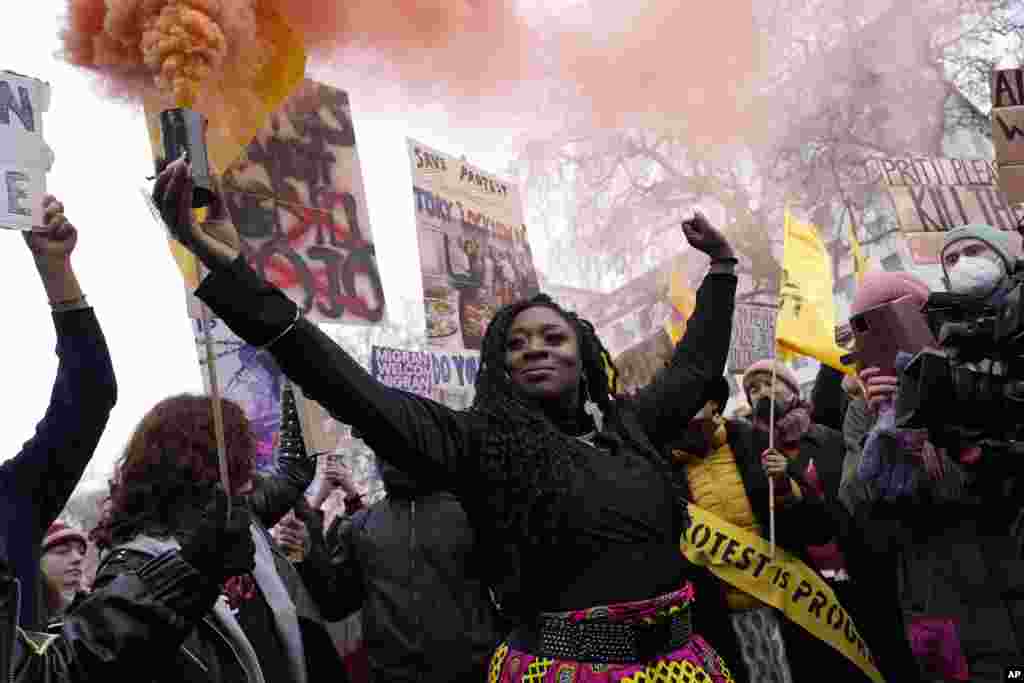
x=743 y=560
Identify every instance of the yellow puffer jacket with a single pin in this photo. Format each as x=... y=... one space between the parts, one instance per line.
x=716 y=485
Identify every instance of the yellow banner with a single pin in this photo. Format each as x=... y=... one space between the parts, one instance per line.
x=807 y=318
x=860 y=264
x=683 y=300
x=785 y=583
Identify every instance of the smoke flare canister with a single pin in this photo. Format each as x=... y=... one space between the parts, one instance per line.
x=184 y=131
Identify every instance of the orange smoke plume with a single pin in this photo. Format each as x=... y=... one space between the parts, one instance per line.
x=174 y=50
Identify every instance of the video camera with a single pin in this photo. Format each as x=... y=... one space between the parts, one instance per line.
x=969 y=386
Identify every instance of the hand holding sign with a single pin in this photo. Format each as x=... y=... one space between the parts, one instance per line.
x=54 y=242
x=774 y=464
x=706 y=238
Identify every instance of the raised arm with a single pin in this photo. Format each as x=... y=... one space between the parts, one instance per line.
x=428 y=435
x=49 y=465
x=677 y=392
x=275 y=493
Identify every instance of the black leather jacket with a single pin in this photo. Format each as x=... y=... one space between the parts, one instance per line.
x=134 y=624
x=210 y=653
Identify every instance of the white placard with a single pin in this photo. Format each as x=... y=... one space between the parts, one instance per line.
x=25 y=158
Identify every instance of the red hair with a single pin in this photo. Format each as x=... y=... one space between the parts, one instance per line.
x=170 y=466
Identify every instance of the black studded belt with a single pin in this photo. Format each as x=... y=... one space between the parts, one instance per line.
x=603 y=641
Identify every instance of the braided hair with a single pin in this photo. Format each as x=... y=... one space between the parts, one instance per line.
x=528 y=458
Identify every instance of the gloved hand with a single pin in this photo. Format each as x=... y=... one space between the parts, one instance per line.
x=220 y=547
x=894 y=458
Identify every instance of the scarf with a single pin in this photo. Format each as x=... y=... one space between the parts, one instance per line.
x=791 y=422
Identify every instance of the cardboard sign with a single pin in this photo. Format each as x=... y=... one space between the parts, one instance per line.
x=1008 y=131
x=25 y=158
x=296 y=196
x=931 y=196
x=753 y=335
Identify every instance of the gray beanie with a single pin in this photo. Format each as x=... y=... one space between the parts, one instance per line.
x=999 y=240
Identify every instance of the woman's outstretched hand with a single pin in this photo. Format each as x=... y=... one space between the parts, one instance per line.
x=216 y=240
x=706 y=238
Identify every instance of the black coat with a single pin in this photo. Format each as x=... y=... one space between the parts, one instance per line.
x=207 y=654
x=133 y=625
x=37 y=482
x=418 y=579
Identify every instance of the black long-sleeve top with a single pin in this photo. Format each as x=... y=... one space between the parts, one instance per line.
x=622 y=509
x=36 y=483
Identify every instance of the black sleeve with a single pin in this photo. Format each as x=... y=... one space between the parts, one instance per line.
x=275 y=494
x=828 y=400
x=676 y=393
x=136 y=619
x=49 y=465
x=423 y=437
x=808 y=521
x=341 y=562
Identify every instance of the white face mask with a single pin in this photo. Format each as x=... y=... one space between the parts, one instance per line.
x=974 y=276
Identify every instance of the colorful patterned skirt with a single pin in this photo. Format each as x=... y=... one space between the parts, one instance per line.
x=649 y=640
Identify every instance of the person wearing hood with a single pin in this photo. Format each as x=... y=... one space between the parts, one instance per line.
x=977 y=261
x=419 y=579
x=945 y=516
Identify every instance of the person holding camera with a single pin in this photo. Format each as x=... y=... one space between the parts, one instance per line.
x=943 y=515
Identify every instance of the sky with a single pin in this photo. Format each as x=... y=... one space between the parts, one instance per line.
x=102 y=157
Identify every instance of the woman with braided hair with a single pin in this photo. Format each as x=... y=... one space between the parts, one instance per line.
x=546 y=462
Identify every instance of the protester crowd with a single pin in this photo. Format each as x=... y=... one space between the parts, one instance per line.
x=535 y=536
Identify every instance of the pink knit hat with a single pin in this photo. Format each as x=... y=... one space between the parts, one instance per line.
x=782 y=374
x=59 y=532
x=879 y=287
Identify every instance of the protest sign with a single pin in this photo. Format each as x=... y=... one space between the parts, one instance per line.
x=250 y=377
x=935 y=195
x=1008 y=131
x=474 y=252
x=25 y=158
x=753 y=336
x=448 y=377
x=296 y=196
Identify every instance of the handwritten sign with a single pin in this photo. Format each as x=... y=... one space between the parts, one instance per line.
x=474 y=252
x=753 y=335
x=933 y=195
x=448 y=377
x=297 y=198
x=936 y=195
x=1008 y=130
x=25 y=158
